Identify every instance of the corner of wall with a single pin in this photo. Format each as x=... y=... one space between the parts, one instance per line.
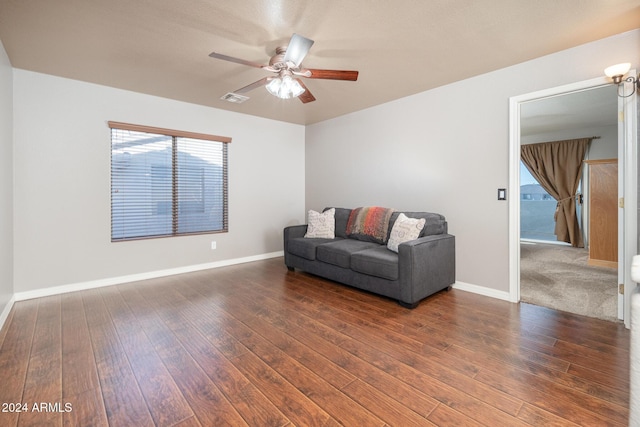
x=4 y=315
x=7 y=294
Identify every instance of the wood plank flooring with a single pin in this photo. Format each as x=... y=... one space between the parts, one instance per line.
x=256 y=345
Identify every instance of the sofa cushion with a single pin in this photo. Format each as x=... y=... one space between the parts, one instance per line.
x=339 y=252
x=404 y=229
x=379 y=262
x=434 y=223
x=306 y=247
x=341 y=217
x=321 y=225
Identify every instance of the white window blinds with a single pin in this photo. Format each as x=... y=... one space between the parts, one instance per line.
x=166 y=183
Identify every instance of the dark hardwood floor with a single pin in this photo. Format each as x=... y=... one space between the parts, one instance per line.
x=256 y=345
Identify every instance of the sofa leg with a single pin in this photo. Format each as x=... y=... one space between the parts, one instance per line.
x=408 y=305
x=290 y=268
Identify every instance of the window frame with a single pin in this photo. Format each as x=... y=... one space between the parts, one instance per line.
x=175 y=211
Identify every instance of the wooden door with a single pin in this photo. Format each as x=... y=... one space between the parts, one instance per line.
x=603 y=212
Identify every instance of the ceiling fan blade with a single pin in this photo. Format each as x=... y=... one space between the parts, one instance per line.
x=254 y=85
x=298 y=48
x=236 y=60
x=306 y=96
x=332 y=74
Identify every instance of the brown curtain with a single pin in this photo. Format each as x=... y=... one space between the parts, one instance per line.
x=557 y=166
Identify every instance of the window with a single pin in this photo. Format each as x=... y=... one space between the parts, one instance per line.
x=537 y=209
x=166 y=183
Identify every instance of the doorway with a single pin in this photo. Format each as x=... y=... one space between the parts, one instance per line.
x=553 y=273
x=628 y=181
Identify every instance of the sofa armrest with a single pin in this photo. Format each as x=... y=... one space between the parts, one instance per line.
x=294 y=231
x=289 y=233
x=426 y=265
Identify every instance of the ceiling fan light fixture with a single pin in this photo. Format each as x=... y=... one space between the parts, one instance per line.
x=285 y=87
x=286 y=63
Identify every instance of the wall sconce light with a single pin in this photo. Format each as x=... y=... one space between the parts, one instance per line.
x=617 y=72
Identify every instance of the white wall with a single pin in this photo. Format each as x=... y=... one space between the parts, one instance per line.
x=6 y=184
x=447 y=150
x=62 y=183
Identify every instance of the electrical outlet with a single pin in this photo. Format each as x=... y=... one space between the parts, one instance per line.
x=213 y=244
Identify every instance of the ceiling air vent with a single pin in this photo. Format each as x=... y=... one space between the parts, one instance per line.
x=234 y=97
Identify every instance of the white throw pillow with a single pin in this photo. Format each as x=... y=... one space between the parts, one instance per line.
x=404 y=230
x=321 y=225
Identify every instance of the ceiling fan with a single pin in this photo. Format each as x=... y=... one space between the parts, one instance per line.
x=286 y=63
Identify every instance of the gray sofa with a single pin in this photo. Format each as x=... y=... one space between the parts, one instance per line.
x=421 y=267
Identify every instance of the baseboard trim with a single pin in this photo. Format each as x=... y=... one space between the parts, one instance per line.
x=93 y=284
x=5 y=313
x=56 y=290
x=481 y=290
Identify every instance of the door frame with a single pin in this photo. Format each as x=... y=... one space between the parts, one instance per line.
x=628 y=239
x=628 y=170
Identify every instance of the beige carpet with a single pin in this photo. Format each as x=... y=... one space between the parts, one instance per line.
x=558 y=277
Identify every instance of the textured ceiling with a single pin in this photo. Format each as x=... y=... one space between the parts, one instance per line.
x=400 y=47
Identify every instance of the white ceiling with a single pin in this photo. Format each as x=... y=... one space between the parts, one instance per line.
x=400 y=47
